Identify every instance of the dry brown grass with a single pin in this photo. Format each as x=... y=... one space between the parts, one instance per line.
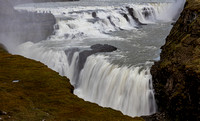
x=43 y=94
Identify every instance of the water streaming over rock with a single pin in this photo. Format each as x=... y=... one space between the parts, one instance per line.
x=119 y=79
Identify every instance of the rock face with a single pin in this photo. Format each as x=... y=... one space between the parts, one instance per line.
x=83 y=55
x=98 y=48
x=132 y=13
x=176 y=76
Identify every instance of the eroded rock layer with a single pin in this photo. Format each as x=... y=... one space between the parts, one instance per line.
x=176 y=76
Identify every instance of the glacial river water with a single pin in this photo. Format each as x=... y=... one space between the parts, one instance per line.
x=120 y=79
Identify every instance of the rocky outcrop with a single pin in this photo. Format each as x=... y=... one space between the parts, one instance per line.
x=132 y=13
x=97 y=48
x=84 y=54
x=176 y=76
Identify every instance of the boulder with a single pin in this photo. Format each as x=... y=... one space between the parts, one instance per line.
x=83 y=55
x=97 y=48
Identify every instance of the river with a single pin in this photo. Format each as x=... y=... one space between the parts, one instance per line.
x=120 y=79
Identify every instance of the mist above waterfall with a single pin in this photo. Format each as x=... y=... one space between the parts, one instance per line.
x=107 y=19
x=119 y=79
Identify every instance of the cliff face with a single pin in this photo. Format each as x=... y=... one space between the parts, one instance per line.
x=176 y=76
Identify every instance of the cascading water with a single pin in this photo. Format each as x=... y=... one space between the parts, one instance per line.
x=119 y=79
x=122 y=88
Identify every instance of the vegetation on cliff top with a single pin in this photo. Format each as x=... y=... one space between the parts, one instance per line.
x=177 y=75
x=31 y=91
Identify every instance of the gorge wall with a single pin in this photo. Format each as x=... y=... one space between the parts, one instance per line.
x=176 y=76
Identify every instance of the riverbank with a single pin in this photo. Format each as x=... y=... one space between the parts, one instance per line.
x=176 y=76
x=29 y=90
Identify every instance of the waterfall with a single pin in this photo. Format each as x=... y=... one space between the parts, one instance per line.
x=128 y=89
x=79 y=22
x=125 y=88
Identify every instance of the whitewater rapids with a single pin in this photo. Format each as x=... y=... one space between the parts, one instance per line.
x=121 y=79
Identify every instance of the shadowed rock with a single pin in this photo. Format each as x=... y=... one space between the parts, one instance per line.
x=132 y=13
x=98 y=48
x=176 y=77
x=70 y=53
x=80 y=62
x=94 y=15
x=125 y=16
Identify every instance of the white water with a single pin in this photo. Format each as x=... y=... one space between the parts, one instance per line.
x=126 y=89
x=120 y=80
x=79 y=23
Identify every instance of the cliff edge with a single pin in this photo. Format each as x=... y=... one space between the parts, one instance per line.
x=29 y=90
x=176 y=76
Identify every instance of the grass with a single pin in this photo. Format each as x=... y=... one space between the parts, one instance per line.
x=42 y=94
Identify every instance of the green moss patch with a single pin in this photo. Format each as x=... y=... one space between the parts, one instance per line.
x=30 y=91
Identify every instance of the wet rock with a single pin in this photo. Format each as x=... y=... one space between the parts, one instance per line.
x=125 y=16
x=98 y=48
x=131 y=12
x=176 y=77
x=103 y=48
x=147 y=12
x=80 y=62
x=70 y=53
x=94 y=15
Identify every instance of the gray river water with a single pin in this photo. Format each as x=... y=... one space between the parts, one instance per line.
x=120 y=79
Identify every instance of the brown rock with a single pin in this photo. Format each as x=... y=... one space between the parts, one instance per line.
x=176 y=76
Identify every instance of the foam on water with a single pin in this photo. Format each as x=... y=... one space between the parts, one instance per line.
x=79 y=22
x=125 y=88
x=128 y=89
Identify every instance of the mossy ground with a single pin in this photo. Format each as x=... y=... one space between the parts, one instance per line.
x=43 y=94
x=176 y=76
